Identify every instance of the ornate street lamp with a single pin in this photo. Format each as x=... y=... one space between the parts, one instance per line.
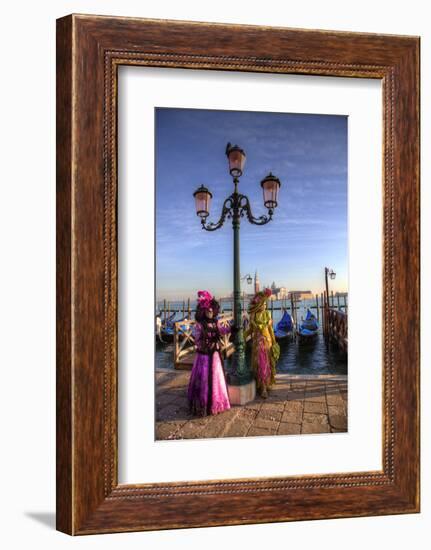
x=247 y=278
x=235 y=207
x=203 y=201
x=331 y=274
x=236 y=158
x=270 y=186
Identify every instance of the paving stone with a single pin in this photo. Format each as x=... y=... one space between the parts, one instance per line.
x=168 y=412
x=239 y=428
x=331 y=386
x=315 y=397
x=296 y=395
x=255 y=430
x=288 y=428
x=336 y=410
x=165 y=430
x=338 y=421
x=276 y=396
x=217 y=425
x=268 y=406
x=315 y=385
x=291 y=408
x=256 y=405
x=295 y=417
x=282 y=385
x=315 y=407
x=335 y=399
x=164 y=399
x=247 y=414
x=314 y=428
x=294 y=406
x=179 y=399
x=241 y=423
x=192 y=429
x=265 y=423
x=314 y=418
x=199 y=420
x=297 y=386
x=269 y=414
x=343 y=395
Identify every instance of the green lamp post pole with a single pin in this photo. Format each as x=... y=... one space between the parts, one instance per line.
x=240 y=374
x=235 y=207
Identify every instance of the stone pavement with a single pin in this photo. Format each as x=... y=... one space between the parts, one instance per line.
x=296 y=405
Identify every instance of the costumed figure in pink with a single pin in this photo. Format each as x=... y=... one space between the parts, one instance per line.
x=207 y=391
x=265 y=351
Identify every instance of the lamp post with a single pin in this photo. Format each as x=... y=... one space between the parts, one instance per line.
x=235 y=207
x=331 y=274
x=247 y=278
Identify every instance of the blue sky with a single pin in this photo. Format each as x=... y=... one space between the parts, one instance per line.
x=308 y=153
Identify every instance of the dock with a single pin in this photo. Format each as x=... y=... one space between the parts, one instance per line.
x=333 y=319
x=184 y=342
x=298 y=404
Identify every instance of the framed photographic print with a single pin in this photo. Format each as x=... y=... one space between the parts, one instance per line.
x=237 y=274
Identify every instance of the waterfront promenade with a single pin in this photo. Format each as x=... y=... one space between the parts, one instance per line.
x=298 y=404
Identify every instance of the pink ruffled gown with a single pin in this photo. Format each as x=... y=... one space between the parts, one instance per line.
x=207 y=392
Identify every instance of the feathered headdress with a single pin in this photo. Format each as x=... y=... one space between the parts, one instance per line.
x=206 y=301
x=259 y=299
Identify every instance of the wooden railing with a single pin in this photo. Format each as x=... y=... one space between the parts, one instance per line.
x=336 y=327
x=185 y=346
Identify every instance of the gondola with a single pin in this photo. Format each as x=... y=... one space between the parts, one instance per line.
x=165 y=331
x=309 y=327
x=168 y=329
x=284 y=327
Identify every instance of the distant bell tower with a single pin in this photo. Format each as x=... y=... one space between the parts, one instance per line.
x=256 y=283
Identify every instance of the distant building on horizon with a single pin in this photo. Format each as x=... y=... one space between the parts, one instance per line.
x=278 y=292
x=256 y=283
x=300 y=295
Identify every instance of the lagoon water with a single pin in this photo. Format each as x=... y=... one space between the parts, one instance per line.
x=296 y=357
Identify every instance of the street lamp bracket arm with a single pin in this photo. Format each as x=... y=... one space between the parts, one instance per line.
x=245 y=208
x=225 y=213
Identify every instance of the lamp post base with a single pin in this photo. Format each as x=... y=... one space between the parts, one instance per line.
x=240 y=395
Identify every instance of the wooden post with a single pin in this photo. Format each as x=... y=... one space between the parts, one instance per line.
x=169 y=309
x=188 y=309
x=164 y=310
x=325 y=314
x=332 y=299
x=338 y=301
x=176 y=346
x=322 y=312
x=317 y=307
x=293 y=308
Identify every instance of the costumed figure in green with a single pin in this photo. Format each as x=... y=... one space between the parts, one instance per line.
x=265 y=350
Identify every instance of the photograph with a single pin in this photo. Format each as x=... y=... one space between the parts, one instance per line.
x=251 y=286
